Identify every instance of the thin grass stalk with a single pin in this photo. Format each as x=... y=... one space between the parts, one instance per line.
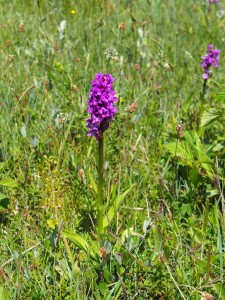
x=208 y=265
x=174 y=281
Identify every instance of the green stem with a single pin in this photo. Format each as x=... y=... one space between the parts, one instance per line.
x=202 y=101
x=100 y=184
x=204 y=88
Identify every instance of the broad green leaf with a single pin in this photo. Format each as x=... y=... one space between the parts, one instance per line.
x=107 y=275
x=8 y=182
x=103 y=288
x=116 y=290
x=218 y=147
x=193 y=139
x=190 y=137
x=3 y=295
x=186 y=209
x=77 y=239
x=221 y=97
x=181 y=149
x=2 y=196
x=114 y=208
x=192 y=153
x=219 y=288
x=209 y=116
x=80 y=242
x=202 y=156
x=196 y=234
x=209 y=170
x=95 y=247
x=195 y=177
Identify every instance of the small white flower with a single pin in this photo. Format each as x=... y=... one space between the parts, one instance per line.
x=110 y=53
x=220 y=13
x=63 y=117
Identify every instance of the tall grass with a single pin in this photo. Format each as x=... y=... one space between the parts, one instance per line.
x=164 y=160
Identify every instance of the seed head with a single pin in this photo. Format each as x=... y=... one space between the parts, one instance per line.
x=136 y=67
x=134 y=148
x=75 y=88
x=8 y=43
x=162 y=258
x=81 y=173
x=21 y=26
x=157 y=87
x=56 y=46
x=131 y=108
x=216 y=182
x=155 y=64
x=166 y=67
x=143 y=24
x=11 y=58
x=122 y=26
x=103 y=252
x=207 y=296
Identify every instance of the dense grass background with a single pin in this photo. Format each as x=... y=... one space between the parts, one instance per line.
x=166 y=239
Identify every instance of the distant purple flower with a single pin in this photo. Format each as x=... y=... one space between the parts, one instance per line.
x=101 y=104
x=211 y=58
x=213 y=1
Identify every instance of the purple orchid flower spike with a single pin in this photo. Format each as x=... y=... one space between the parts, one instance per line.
x=101 y=104
x=211 y=58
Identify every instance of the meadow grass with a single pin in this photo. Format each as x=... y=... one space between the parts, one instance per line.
x=164 y=152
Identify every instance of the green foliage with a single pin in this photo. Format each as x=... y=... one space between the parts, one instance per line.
x=164 y=162
x=114 y=207
x=192 y=153
x=210 y=116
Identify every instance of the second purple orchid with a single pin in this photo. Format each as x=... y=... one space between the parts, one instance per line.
x=211 y=58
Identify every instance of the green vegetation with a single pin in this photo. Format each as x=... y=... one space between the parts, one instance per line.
x=164 y=168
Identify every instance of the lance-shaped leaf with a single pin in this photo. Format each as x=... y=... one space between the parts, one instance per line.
x=209 y=116
x=114 y=208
